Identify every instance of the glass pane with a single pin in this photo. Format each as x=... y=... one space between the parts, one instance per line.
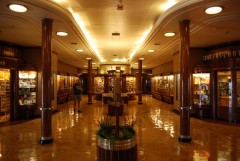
x=27 y=87
x=224 y=88
x=4 y=95
x=201 y=88
x=238 y=89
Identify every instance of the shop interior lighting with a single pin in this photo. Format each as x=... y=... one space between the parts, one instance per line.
x=17 y=8
x=62 y=33
x=79 y=50
x=213 y=10
x=151 y=50
x=169 y=34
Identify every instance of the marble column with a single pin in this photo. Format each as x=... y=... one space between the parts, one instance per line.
x=89 y=81
x=184 y=82
x=140 y=80
x=46 y=116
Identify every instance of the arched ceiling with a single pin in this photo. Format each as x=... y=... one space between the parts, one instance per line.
x=141 y=25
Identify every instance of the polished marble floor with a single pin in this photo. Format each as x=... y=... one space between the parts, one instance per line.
x=156 y=124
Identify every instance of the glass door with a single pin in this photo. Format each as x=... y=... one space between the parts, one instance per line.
x=4 y=95
x=224 y=88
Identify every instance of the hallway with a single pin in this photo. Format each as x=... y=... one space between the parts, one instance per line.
x=156 y=124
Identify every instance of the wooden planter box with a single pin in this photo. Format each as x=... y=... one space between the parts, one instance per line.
x=121 y=150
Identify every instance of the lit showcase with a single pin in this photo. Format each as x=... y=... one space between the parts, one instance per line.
x=98 y=84
x=27 y=87
x=224 y=88
x=163 y=88
x=131 y=84
x=201 y=88
x=4 y=95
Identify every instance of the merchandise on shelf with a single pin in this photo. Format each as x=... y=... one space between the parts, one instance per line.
x=201 y=88
x=27 y=87
x=4 y=95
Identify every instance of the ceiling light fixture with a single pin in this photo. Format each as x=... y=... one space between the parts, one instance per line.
x=79 y=50
x=88 y=58
x=141 y=58
x=169 y=34
x=151 y=50
x=62 y=33
x=120 y=5
x=213 y=10
x=17 y=8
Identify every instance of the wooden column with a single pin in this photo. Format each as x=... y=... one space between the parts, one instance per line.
x=140 y=81
x=233 y=108
x=46 y=131
x=14 y=93
x=213 y=93
x=184 y=82
x=89 y=81
x=124 y=83
x=106 y=83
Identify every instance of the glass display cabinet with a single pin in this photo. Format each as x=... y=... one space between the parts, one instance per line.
x=98 y=86
x=131 y=87
x=224 y=84
x=201 y=89
x=4 y=95
x=27 y=88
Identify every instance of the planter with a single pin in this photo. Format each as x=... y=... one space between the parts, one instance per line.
x=120 y=150
x=114 y=108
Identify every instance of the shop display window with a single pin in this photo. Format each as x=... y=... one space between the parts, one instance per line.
x=98 y=84
x=201 y=88
x=27 y=87
x=238 y=89
x=4 y=95
x=224 y=88
x=131 y=84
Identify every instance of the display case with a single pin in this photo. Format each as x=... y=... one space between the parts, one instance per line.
x=27 y=88
x=201 y=89
x=4 y=95
x=224 y=83
x=131 y=84
x=163 y=88
x=98 y=86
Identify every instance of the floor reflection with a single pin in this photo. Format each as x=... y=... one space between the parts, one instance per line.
x=157 y=130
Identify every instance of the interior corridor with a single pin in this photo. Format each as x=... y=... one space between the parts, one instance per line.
x=157 y=129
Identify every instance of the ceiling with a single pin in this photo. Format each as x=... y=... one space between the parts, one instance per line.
x=141 y=25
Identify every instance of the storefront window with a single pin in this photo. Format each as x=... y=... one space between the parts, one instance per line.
x=27 y=87
x=238 y=89
x=4 y=95
x=224 y=88
x=201 y=89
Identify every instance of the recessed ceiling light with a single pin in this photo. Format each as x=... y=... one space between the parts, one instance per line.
x=135 y=63
x=88 y=58
x=169 y=34
x=79 y=50
x=17 y=8
x=93 y=63
x=62 y=33
x=151 y=50
x=213 y=10
x=141 y=58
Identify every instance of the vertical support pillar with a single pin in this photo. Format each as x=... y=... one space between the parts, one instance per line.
x=214 y=93
x=184 y=82
x=89 y=80
x=46 y=131
x=140 y=80
x=14 y=93
x=233 y=108
x=106 y=84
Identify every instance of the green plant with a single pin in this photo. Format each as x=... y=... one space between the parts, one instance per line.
x=107 y=129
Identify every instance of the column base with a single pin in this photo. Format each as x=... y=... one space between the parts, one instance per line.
x=46 y=140
x=139 y=102
x=89 y=102
x=185 y=139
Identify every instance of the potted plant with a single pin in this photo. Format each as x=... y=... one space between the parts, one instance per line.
x=115 y=141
